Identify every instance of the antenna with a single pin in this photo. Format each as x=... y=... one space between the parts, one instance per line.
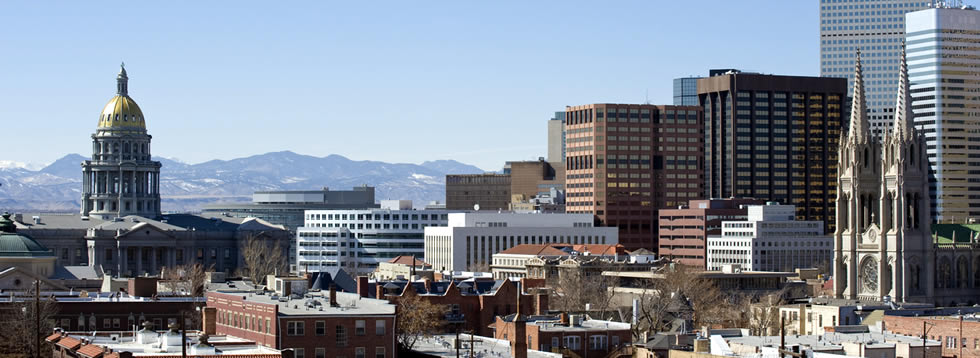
x=647 y=96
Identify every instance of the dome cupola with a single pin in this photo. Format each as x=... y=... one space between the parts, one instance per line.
x=122 y=112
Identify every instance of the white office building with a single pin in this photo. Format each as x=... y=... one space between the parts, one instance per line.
x=471 y=239
x=770 y=240
x=877 y=28
x=371 y=236
x=943 y=65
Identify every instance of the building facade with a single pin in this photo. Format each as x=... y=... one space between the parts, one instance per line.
x=683 y=231
x=564 y=334
x=336 y=322
x=877 y=28
x=770 y=239
x=884 y=243
x=358 y=240
x=942 y=79
x=625 y=161
x=121 y=178
x=556 y=138
x=471 y=239
x=286 y=207
x=959 y=335
x=492 y=191
x=773 y=138
x=512 y=263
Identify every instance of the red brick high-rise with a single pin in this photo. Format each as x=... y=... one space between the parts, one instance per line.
x=625 y=161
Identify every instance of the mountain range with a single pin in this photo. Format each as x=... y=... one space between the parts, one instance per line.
x=187 y=187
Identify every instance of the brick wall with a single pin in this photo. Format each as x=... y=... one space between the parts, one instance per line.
x=946 y=330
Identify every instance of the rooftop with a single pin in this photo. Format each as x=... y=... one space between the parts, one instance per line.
x=124 y=341
x=312 y=303
x=442 y=346
x=833 y=340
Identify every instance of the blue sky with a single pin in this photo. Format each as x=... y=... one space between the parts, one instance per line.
x=404 y=81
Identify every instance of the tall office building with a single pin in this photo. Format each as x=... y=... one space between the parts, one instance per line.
x=493 y=191
x=625 y=161
x=556 y=138
x=774 y=138
x=686 y=91
x=943 y=59
x=877 y=28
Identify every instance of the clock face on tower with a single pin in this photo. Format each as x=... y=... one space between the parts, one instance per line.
x=869 y=275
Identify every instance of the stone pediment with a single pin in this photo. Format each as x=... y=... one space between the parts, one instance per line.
x=144 y=231
x=871 y=234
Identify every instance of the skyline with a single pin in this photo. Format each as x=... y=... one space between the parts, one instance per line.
x=245 y=82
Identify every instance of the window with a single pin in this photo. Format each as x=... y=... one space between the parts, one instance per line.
x=320 y=328
x=300 y=353
x=615 y=341
x=359 y=352
x=597 y=342
x=108 y=254
x=295 y=328
x=106 y=323
x=379 y=327
x=555 y=342
x=321 y=353
x=573 y=342
x=359 y=328
x=379 y=352
x=341 y=336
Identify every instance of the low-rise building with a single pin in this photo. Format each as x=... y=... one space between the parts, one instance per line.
x=513 y=262
x=359 y=240
x=155 y=343
x=311 y=324
x=683 y=232
x=770 y=239
x=959 y=334
x=403 y=267
x=471 y=345
x=470 y=239
x=574 y=335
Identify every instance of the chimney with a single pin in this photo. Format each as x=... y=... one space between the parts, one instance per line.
x=519 y=341
x=363 y=286
x=379 y=290
x=210 y=315
x=702 y=345
x=428 y=285
x=413 y=269
x=564 y=318
x=333 y=295
x=541 y=305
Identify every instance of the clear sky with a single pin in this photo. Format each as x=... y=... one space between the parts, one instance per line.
x=400 y=81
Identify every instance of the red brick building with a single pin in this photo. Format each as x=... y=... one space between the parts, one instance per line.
x=625 y=161
x=584 y=337
x=472 y=305
x=959 y=338
x=683 y=231
x=342 y=324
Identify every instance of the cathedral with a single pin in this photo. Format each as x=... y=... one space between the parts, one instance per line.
x=886 y=247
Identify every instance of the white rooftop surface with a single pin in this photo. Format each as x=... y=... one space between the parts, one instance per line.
x=590 y=325
x=73 y=296
x=481 y=219
x=224 y=345
x=833 y=340
x=349 y=303
x=442 y=346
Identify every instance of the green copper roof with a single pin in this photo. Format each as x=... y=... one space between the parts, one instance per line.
x=944 y=233
x=14 y=244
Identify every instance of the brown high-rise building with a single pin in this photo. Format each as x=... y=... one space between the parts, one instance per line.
x=774 y=138
x=625 y=161
x=494 y=191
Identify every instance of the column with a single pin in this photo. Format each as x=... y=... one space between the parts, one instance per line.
x=154 y=266
x=139 y=261
x=122 y=263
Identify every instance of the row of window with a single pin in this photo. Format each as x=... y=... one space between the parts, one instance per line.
x=359 y=352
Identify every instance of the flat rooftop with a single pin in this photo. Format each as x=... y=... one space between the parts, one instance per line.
x=315 y=303
x=125 y=341
x=442 y=346
x=833 y=340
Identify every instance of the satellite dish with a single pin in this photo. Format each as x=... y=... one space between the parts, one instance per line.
x=476 y=207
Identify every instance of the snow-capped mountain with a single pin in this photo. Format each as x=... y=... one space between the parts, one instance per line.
x=187 y=187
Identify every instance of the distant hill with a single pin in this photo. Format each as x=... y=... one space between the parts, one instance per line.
x=187 y=187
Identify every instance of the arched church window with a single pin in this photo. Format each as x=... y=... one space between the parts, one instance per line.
x=865 y=157
x=912 y=153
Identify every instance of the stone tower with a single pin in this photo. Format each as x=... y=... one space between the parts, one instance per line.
x=121 y=178
x=882 y=240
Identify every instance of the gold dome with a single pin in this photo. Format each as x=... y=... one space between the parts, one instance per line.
x=122 y=111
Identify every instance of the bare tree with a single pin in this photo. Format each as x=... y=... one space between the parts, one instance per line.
x=25 y=321
x=577 y=286
x=189 y=279
x=764 y=318
x=262 y=258
x=681 y=292
x=417 y=318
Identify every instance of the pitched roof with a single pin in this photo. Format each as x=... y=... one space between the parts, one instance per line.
x=69 y=342
x=407 y=260
x=600 y=249
x=91 y=351
x=963 y=233
x=53 y=337
x=642 y=252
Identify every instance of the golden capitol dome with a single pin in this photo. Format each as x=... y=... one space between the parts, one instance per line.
x=122 y=112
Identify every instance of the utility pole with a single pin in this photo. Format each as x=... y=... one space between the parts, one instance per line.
x=782 y=336
x=37 y=319
x=960 y=341
x=183 y=336
x=456 y=343
x=923 y=338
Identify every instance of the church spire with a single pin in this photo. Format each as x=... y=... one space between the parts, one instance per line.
x=122 y=81
x=902 y=127
x=859 y=118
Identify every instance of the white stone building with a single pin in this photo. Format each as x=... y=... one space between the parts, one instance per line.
x=470 y=239
x=770 y=240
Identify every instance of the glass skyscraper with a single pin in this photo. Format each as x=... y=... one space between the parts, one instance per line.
x=686 y=91
x=877 y=28
x=943 y=46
